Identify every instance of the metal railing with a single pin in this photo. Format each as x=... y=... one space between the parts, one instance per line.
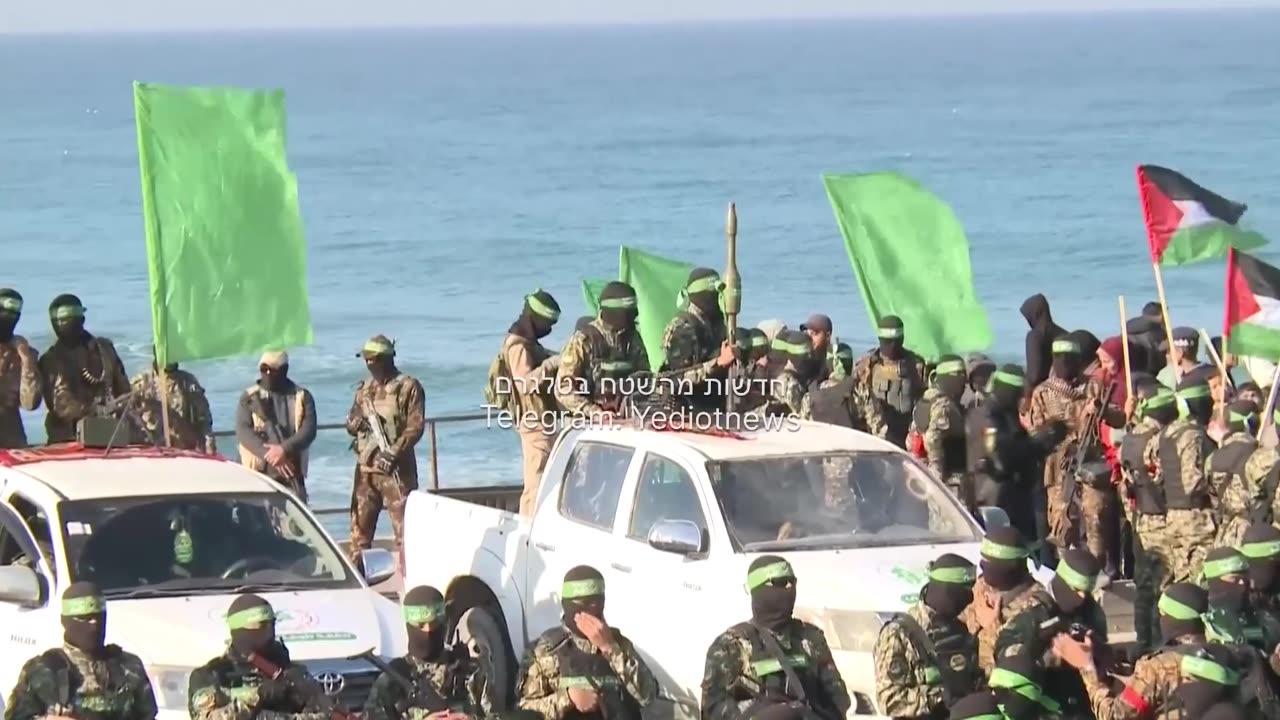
x=430 y=431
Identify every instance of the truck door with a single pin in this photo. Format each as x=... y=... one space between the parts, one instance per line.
x=573 y=526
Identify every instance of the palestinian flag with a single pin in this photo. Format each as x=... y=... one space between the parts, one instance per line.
x=1252 y=325
x=1186 y=223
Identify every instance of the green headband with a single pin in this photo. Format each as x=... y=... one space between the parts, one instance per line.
x=610 y=366
x=1010 y=680
x=1008 y=378
x=251 y=618
x=1241 y=418
x=950 y=367
x=76 y=607
x=1175 y=609
x=789 y=348
x=759 y=340
x=1206 y=669
x=1159 y=400
x=760 y=576
x=996 y=551
x=581 y=588
x=889 y=333
x=423 y=614
x=1233 y=565
x=1062 y=347
x=540 y=307
x=1257 y=550
x=711 y=283
x=955 y=575
x=621 y=303
x=1076 y=579
x=378 y=347
x=1194 y=392
x=66 y=312
x=11 y=304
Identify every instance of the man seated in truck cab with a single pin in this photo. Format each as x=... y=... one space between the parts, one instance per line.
x=584 y=669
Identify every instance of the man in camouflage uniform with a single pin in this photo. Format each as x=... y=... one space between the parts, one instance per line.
x=390 y=406
x=1004 y=590
x=748 y=665
x=1178 y=454
x=1261 y=548
x=1147 y=510
x=1262 y=471
x=695 y=339
x=788 y=384
x=1237 y=501
x=1077 y=400
x=19 y=373
x=889 y=382
x=584 y=665
x=926 y=659
x=191 y=421
x=1249 y=634
x=82 y=375
x=254 y=678
x=276 y=424
x=431 y=678
x=85 y=677
x=833 y=398
x=937 y=428
x=598 y=359
x=753 y=370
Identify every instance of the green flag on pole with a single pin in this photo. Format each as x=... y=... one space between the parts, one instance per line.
x=657 y=282
x=911 y=258
x=225 y=251
x=591 y=295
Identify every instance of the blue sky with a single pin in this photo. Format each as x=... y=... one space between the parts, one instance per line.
x=90 y=15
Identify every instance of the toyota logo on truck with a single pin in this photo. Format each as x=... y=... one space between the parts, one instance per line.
x=331 y=683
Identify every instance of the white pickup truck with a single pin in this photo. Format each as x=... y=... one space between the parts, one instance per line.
x=672 y=519
x=126 y=519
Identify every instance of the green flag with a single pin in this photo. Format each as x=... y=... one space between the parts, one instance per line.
x=657 y=282
x=225 y=250
x=591 y=295
x=911 y=259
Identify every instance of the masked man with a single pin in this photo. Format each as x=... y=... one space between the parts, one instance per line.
x=19 y=373
x=82 y=374
x=597 y=362
x=889 y=382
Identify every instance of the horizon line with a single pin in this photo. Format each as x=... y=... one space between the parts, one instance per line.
x=959 y=14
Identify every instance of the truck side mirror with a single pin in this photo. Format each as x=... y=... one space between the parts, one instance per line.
x=993 y=517
x=379 y=565
x=19 y=585
x=676 y=536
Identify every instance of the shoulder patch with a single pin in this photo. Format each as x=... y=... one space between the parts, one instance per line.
x=1013 y=650
x=204 y=698
x=958 y=663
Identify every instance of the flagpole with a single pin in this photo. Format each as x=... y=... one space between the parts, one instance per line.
x=1266 y=419
x=1168 y=328
x=164 y=405
x=1124 y=345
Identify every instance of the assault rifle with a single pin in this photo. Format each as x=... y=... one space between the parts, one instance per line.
x=275 y=436
x=1076 y=470
x=417 y=694
x=309 y=693
x=379 y=433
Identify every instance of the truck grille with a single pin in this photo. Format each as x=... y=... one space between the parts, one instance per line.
x=348 y=682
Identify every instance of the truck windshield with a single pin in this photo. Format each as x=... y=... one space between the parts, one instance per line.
x=836 y=500
x=149 y=546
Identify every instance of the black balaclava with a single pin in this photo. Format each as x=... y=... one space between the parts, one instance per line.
x=759 y=345
x=950 y=587
x=1193 y=392
x=1219 y=565
x=84 y=618
x=582 y=592
x=10 y=312
x=1006 y=386
x=980 y=370
x=1015 y=683
x=66 y=314
x=1161 y=407
x=975 y=706
x=1067 y=360
x=892 y=336
x=252 y=624
x=950 y=376
x=1242 y=416
x=618 y=309
x=1004 y=559
x=1207 y=675
x=424 y=620
x=1261 y=549
x=772 y=584
x=1180 y=607
x=537 y=317
x=273 y=370
x=1073 y=583
x=1088 y=343
x=379 y=355
x=703 y=289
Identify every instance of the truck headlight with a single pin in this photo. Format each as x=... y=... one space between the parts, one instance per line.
x=169 y=683
x=847 y=630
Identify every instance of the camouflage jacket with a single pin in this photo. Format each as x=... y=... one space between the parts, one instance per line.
x=735 y=676
x=459 y=683
x=79 y=381
x=19 y=388
x=1030 y=632
x=583 y=366
x=1155 y=677
x=882 y=420
x=1261 y=471
x=691 y=339
x=65 y=681
x=1012 y=603
x=910 y=683
x=187 y=401
x=227 y=688
x=787 y=396
x=1235 y=495
x=544 y=684
x=1072 y=404
x=400 y=404
x=944 y=434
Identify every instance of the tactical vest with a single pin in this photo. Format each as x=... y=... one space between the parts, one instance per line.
x=1228 y=461
x=831 y=403
x=773 y=406
x=428 y=697
x=1149 y=497
x=1176 y=497
x=386 y=405
x=896 y=392
x=703 y=337
x=607 y=361
x=247 y=458
x=949 y=655
x=241 y=681
x=110 y=701
x=513 y=394
x=954 y=444
x=768 y=674
x=590 y=671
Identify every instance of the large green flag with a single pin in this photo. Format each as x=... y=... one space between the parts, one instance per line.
x=225 y=250
x=658 y=282
x=911 y=259
x=591 y=294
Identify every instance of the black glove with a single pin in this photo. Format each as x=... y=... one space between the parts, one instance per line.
x=274 y=692
x=384 y=461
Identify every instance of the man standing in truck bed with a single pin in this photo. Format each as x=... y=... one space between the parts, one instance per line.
x=598 y=359
x=276 y=424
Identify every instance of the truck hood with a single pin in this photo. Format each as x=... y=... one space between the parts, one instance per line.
x=189 y=631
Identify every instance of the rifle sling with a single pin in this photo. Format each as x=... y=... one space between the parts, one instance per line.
x=921 y=639
x=771 y=645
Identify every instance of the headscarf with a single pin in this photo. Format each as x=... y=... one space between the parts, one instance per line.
x=84 y=618
x=772 y=585
x=1113 y=347
x=424 y=619
x=538 y=316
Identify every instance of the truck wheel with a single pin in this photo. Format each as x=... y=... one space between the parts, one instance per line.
x=484 y=639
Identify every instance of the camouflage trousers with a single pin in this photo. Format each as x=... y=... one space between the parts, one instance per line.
x=1090 y=528
x=370 y=493
x=1191 y=534
x=12 y=433
x=1231 y=531
x=1151 y=574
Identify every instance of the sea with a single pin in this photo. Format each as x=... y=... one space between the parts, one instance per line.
x=445 y=173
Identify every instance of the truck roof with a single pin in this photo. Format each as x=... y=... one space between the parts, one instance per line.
x=801 y=437
x=81 y=473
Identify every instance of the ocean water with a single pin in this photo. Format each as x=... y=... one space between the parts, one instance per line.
x=445 y=173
